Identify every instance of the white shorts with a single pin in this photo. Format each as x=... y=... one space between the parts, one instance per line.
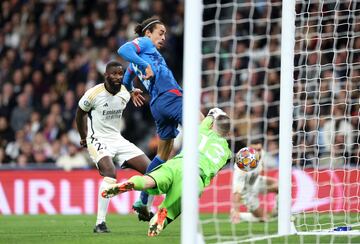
x=119 y=149
x=250 y=193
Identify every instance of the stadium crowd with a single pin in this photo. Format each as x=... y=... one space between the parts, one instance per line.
x=52 y=51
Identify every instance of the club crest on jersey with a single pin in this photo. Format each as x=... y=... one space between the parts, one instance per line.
x=86 y=103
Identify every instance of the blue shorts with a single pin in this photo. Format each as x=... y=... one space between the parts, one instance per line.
x=167 y=112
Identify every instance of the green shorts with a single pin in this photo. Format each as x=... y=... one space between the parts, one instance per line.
x=165 y=175
x=168 y=178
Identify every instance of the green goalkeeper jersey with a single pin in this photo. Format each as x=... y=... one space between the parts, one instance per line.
x=213 y=151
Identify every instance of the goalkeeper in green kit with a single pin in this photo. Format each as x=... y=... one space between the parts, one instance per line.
x=166 y=179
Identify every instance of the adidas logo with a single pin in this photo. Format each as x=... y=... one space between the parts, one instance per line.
x=106 y=105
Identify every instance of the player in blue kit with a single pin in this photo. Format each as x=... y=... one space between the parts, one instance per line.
x=149 y=66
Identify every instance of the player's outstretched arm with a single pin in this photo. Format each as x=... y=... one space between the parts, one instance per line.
x=128 y=80
x=201 y=116
x=207 y=121
x=234 y=212
x=81 y=123
x=129 y=51
x=136 y=94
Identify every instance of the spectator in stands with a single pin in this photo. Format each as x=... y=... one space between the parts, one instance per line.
x=7 y=99
x=73 y=134
x=355 y=122
x=6 y=132
x=61 y=84
x=270 y=155
x=40 y=143
x=338 y=139
x=3 y=157
x=12 y=149
x=34 y=124
x=45 y=104
x=338 y=125
x=68 y=109
x=73 y=160
x=22 y=161
x=40 y=157
x=40 y=85
x=52 y=127
x=21 y=113
x=56 y=151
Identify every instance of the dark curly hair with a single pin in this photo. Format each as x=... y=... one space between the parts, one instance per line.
x=111 y=64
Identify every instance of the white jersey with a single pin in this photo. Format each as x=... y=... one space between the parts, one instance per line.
x=249 y=185
x=104 y=111
x=104 y=125
x=243 y=181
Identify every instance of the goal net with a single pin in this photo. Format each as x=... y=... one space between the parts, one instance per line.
x=241 y=56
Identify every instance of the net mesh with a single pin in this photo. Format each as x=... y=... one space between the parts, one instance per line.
x=241 y=74
x=326 y=111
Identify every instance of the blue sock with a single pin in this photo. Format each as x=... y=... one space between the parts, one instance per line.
x=154 y=163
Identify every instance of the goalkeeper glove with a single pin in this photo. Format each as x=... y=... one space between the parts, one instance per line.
x=215 y=112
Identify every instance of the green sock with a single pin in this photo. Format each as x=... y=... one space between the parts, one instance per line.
x=139 y=182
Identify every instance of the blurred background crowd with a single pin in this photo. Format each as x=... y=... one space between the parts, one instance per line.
x=51 y=52
x=241 y=74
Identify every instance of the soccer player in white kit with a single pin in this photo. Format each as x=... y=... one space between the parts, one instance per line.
x=246 y=187
x=98 y=119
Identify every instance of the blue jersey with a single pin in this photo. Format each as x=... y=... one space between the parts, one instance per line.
x=141 y=52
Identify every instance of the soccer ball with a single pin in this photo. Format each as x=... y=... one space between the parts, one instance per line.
x=247 y=159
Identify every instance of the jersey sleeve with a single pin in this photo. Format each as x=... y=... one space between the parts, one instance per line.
x=230 y=153
x=238 y=181
x=128 y=79
x=206 y=123
x=86 y=102
x=143 y=44
x=130 y=51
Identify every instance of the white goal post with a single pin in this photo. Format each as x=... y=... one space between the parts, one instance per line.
x=286 y=112
x=191 y=108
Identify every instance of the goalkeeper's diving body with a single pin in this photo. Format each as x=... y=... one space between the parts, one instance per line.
x=167 y=178
x=98 y=120
x=148 y=65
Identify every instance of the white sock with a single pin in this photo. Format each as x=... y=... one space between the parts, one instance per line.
x=150 y=202
x=248 y=217
x=103 y=203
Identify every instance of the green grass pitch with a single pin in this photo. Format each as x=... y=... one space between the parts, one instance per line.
x=127 y=229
